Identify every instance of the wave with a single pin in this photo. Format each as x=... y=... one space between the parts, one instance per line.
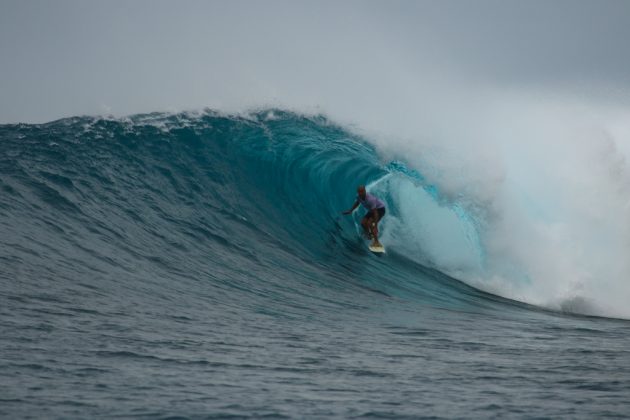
x=157 y=203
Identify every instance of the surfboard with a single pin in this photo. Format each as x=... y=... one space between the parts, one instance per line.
x=377 y=249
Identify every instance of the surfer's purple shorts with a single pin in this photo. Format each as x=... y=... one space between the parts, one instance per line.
x=381 y=213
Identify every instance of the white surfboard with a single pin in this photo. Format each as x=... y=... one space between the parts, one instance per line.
x=377 y=249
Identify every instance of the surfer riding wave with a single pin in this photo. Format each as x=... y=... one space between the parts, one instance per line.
x=375 y=212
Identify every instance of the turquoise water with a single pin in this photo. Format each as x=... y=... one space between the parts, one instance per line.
x=197 y=266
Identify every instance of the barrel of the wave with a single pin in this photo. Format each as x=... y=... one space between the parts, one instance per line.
x=375 y=211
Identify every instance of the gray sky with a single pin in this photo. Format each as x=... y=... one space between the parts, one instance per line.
x=70 y=57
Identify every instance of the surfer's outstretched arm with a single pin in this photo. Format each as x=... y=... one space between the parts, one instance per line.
x=354 y=206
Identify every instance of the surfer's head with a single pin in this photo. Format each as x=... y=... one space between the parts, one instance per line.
x=361 y=191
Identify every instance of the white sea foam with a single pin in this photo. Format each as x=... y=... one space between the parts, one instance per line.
x=548 y=184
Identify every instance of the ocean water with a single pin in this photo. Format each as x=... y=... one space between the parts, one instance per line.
x=198 y=266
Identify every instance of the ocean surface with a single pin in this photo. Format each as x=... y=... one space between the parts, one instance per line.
x=198 y=266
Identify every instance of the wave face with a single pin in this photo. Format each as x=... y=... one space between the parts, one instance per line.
x=224 y=199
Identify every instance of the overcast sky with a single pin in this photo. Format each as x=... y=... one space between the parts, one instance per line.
x=74 y=57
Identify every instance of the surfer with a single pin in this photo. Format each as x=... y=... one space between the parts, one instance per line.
x=375 y=212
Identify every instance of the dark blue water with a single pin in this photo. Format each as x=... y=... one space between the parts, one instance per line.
x=198 y=267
